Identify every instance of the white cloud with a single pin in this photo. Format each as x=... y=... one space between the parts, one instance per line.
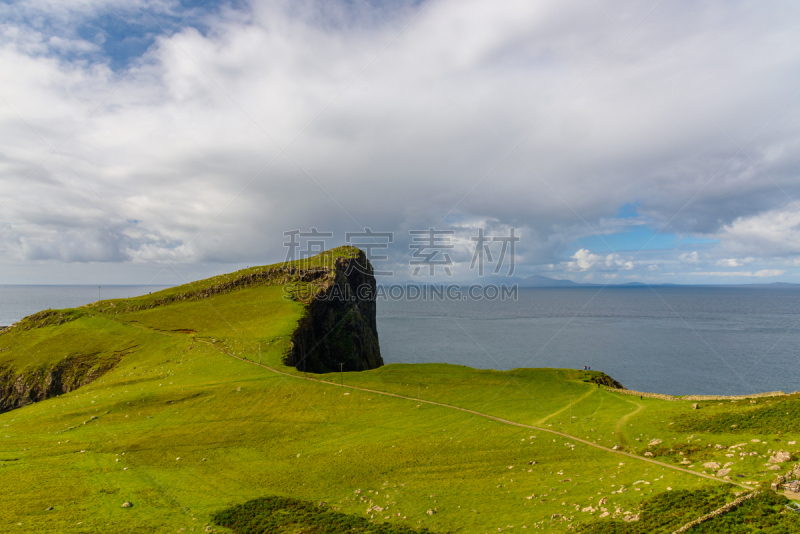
x=689 y=257
x=584 y=260
x=615 y=260
x=760 y=274
x=735 y=262
x=397 y=132
x=772 y=233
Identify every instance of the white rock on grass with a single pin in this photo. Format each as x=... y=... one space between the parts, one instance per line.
x=711 y=465
x=723 y=472
x=779 y=457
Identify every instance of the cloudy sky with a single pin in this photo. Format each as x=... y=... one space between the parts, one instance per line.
x=159 y=141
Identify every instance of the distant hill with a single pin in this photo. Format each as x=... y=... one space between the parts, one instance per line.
x=543 y=281
x=531 y=281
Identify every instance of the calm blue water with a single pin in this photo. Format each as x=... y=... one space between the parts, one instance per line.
x=17 y=302
x=676 y=340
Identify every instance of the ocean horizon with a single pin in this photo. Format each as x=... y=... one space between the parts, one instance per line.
x=715 y=340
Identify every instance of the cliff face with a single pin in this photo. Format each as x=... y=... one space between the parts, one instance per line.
x=605 y=380
x=339 y=329
x=339 y=326
x=34 y=384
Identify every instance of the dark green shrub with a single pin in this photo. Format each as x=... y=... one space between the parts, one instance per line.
x=276 y=515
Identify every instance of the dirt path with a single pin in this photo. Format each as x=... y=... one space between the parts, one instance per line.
x=465 y=410
x=624 y=419
x=565 y=408
x=485 y=416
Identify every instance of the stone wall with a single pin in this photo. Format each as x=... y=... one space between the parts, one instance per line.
x=719 y=511
x=700 y=397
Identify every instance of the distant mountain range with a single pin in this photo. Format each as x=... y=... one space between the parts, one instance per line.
x=543 y=281
x=538 y=280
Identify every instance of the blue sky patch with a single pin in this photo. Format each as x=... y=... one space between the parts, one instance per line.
x=639 y=238
x=125 y=34
x=627 y=211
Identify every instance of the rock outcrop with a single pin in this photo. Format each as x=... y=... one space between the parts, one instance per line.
x=339 y=329
x=20 y=388
x=605 y=380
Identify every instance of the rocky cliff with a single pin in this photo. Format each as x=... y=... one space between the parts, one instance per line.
x=339 y=329
x=37 y=383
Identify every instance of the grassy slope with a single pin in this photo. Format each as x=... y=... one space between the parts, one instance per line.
x=242 y=431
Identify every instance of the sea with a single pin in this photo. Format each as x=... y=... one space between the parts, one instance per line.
x=676 y=340
x=664 y=339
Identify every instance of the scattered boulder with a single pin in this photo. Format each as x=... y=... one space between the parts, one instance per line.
x=126 y=504
x=615 y=448
x=654 y=443
x=430 y=512
x=711 y=465
x=779 y=457
x=648 y=454
x=48 y=508
x=695 y=406
x=723 y=472
x=774 y=468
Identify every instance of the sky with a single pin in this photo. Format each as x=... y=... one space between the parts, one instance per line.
x=160 y=141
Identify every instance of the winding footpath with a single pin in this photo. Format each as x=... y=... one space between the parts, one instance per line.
x=485 y=416
x=451 y=407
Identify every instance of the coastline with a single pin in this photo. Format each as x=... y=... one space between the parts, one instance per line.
x=664 y=396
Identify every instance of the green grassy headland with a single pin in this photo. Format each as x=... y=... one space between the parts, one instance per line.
x=187 y=424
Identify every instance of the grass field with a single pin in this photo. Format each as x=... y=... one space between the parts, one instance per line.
x=188 y=424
